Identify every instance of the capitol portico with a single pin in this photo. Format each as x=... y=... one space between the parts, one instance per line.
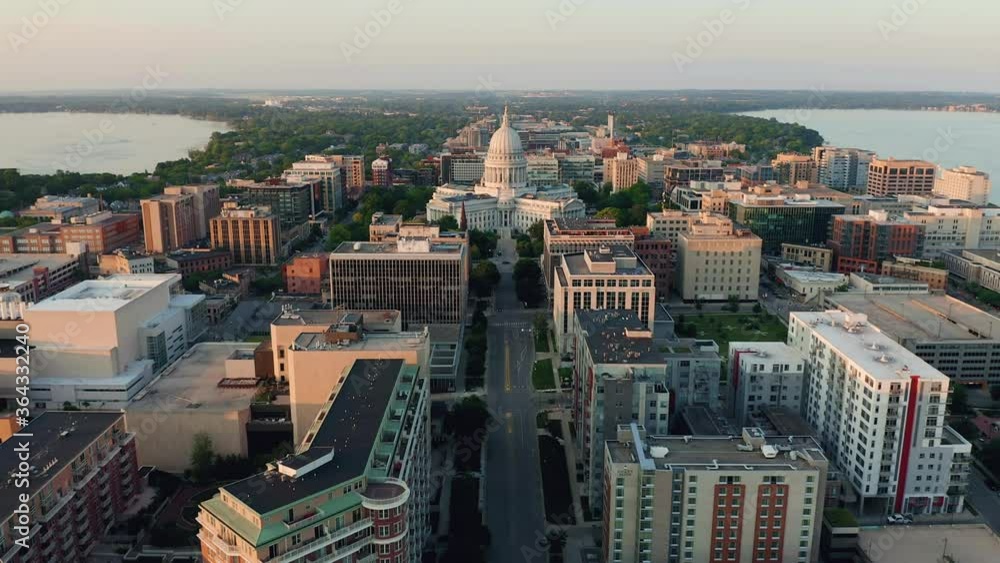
x=503 y=202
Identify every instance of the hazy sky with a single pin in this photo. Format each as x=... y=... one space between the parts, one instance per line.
x=503 y=44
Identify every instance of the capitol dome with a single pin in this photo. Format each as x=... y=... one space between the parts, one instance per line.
x=505 y=169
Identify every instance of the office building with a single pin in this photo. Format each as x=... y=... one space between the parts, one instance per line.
x=191 y=260
x=83 y=477
x=953 y=226
x=543 y=170
x=889 y=177
x=610 y=277
x=978 y=266
x=98 y=343
x=251 y=234
x=779 y=219
x=681 y=173
x=356 y=489
x=965 y=183
x=61 y=209
x=206 y=204
x=960 y=340
x=576 y=168
x=843 y=168
x=567 y=236
x=621 y=171
x=293 y=202
x=913 y=270
x=651 y=170
x=879 y=412
x=877 y=284
x=427 y=281
x=861 y=243
x=818 y=257
x=764 y=374
x=790 y=168
x=327 y=169
x=623 y=372
x=686 y=499
x=37 y=276
x=124 y=261
x=658 y=255
x=307 y=274
x=716 y=261
x=168 y=222
x=670 y=225
x=810 y=286
x=464 y=169
x=101 y=232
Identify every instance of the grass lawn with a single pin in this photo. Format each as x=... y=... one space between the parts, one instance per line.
x=724 y=328
x=541 y=376
x=555 y=484
x=541 y=341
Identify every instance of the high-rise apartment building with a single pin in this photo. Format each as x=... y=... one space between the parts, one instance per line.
x=382 y=172
x=863 y=242
x=251 y=234
x=879 y=412
x=169 y=222
x=716 y=261
x=966 y=183
x=790 y=168
x=697 y=499
x=328 y=170
x=293 y=202
x=888 y=177
x=426 y=280
x=621 y=171
x=842 y=168
x=206 y=204
x=357 y=488
x=625 y=372
x=610 y=277
x=764 y=374
x=83 y=476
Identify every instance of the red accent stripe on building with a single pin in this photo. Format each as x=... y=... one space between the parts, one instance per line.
x=904 y=456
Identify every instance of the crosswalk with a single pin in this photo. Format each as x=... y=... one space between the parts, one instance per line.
x=512 y=324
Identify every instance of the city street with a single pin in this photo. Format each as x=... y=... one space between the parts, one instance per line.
x=513 y=483
x=986 y=502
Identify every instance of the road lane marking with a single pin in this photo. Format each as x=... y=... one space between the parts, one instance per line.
x=510 y=423
x=507 y=365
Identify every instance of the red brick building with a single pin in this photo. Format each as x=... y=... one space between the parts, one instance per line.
x=657 y=254
x=102 y=232
x=199 y=260
x=863 y=242
x=307 y=274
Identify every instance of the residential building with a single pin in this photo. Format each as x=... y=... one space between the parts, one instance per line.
x=888 y=177
x=861 y=243
x=913 y=270
x=102 y=232
x=879 y=412
x=576 y=168
x=328 y=170
x=658 y=255
x=764 y=374
x=307 y=274
x=503 y=201
x=843 y=168
x=356 y=491
x=383 y=225
x=293 y=202
x=60 y=209
x=965 y=183
x=790 y=168
x=100 y=342
x=623 y=372
x=810 y=286
x=251 y=234
x=168 y=222
x=953 y=226
x=818 y=257
x=621 y=171
x=706 y=149
x=427 y=281
x=712 y=498
x=610 y=277
x=206 y=204
x=716 y=261
x=960 y=340
x=566 y=236
x=651 y=170
x=124 y=261
x=382 y=172
x=680 y=173
x=543 y=170
x=83 y=477
x=188 y=261
x=779 y=219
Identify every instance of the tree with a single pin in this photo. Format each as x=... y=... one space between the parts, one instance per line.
x=995 y=392
x=734 y=303
x=536 y=231
x=528 y=282
x=959 y=400
x=202 y=457
x=966 y=428
x=990 y=456
x=541 y=323
x=484 y=278
x=338 y=234
x=448 y=223
x=757 y=309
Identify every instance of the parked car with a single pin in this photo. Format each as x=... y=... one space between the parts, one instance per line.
x=900 y=518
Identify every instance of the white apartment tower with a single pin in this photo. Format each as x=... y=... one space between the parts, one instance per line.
x=964 y=182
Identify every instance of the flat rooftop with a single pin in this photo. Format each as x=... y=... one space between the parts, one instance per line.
x=809 y=276
x=371 y=320
x=968 y=543
x=20 y=267
x=57 y=439
x=787 y=422
x=879 y=355
x=350 y=430
x=574 y=224
x=317 y=342
x=107 y=294
x=398 y=247
x=923 y=318
x=617 y=336
x=195 y=382
x=576 y=263
x=705 y=452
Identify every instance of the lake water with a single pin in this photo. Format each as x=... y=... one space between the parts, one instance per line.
x=41 y=143
x=947 y=139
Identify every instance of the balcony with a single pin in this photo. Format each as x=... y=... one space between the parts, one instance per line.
x=319 y=543
x=387 y=494
x=334 y=555
x=218 y=544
